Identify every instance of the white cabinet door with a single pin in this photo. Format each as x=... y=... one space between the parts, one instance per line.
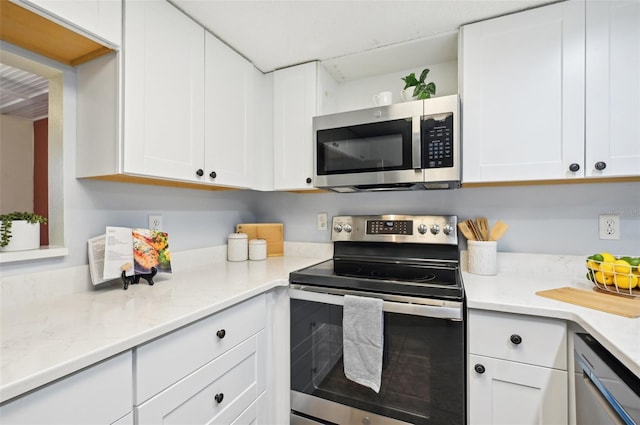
x=613 y=88
x=101 y=18
x=228 y=92
x=163 y=92
x=510 y=393
x=295 y=104
x=100 y=394
x=523 y=95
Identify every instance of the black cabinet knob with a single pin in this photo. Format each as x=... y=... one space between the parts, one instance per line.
x=200 y=172
x=600 y=165
x=515 y=339
x=479 y=368
x=213 y=175
x=574 y=167
x=221 y=333
x=309 y=180
x=219 y=397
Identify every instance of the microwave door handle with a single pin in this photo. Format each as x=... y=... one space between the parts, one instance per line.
x=415 y=143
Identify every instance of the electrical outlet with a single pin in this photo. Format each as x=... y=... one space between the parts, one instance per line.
x=609 y=226
x=323 y=219
x=155 y=222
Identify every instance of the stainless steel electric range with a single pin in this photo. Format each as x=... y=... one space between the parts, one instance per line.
x=412 y=263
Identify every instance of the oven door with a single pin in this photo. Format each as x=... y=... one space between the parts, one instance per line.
x=423 y=362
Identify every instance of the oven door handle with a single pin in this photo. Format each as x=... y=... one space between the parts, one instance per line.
x=439 y=309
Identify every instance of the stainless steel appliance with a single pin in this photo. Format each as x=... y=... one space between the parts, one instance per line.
x=412 y=264
x=405 y=146
x=607 y=392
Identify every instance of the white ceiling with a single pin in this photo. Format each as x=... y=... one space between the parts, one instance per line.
x=23 y=94
x=275 y=34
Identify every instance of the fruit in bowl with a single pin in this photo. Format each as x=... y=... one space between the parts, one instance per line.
x=619 y=272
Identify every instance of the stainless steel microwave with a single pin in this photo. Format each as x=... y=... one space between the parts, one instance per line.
x=405 y=146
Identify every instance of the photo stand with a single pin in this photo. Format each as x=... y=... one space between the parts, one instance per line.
x=135 y=279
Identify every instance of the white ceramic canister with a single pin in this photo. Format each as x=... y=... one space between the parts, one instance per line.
x=237 y=249
x=483 y=257
x=257 y=249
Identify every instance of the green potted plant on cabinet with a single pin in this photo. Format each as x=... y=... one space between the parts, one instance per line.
x=20 y=231
x=417 y=88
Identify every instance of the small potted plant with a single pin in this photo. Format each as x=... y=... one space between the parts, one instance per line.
x=20 y=231
x=417 y=88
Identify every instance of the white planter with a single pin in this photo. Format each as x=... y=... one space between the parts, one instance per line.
x=24 y=236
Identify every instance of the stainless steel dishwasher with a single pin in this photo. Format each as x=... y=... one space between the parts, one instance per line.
x=607 y=392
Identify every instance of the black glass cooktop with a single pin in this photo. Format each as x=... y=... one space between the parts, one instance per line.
x=416 y=279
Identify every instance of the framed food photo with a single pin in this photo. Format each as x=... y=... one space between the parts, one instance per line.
x=151 y=249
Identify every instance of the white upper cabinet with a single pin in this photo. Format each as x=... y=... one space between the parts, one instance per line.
x=299 y=94
x=613 y=88
x=229 y=81
x=99 y=18
x=522 y=92
x=163 y=92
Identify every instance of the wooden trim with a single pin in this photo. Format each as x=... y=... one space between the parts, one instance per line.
x=308 y=191
x=554 y=182
x=124 y=178
x=37 y=34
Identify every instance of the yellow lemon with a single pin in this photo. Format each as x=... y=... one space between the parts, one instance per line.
x=593 y=265
x=607 y=268
x=604 y=279
x=608 y=258
x=622 y=266
x=625 y=281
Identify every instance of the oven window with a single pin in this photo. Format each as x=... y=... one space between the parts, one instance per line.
x=423 y=365
x=365 y=148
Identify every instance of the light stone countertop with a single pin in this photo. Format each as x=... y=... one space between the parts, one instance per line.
x=520 y=276
x=48 y=337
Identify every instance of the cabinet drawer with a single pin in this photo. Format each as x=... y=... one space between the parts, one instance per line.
x=216 y=393
x=170 y=358
x=526 y=339
x=99 y=394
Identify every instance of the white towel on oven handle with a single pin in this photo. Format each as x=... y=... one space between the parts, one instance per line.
x=363 y=340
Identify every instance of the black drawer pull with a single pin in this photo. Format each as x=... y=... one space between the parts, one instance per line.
x=221 y=333
x=515 y=339
x=219 y=397
x=200 y=172
x=479 y=368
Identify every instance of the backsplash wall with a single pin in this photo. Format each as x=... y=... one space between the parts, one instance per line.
x=551 y=219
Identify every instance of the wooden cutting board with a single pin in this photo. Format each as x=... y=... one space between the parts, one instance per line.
x=614 y=304
x=273 y=233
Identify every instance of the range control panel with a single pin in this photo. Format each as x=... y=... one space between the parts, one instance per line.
x=440 y=229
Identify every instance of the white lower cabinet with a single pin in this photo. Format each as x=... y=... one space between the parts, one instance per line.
x=210 y=371
x=219 y=392
x=99 y=394
x=513 y=393
x=517 y=369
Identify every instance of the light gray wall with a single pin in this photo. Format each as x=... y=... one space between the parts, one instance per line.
x=553 y=219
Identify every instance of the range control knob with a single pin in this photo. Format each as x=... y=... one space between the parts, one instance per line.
x=447 y=229
x=337 y=228
x=347 y=228
x=422 y=229
x=435 y=229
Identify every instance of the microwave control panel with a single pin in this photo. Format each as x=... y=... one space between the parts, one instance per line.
x=437 y=141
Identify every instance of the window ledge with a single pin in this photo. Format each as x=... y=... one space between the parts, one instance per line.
x=33 y=254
